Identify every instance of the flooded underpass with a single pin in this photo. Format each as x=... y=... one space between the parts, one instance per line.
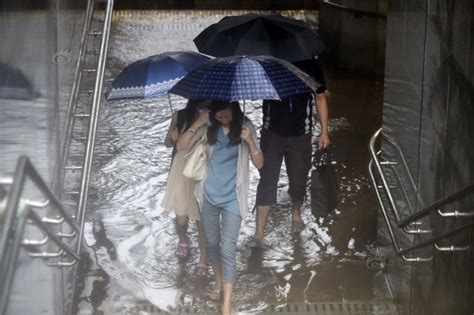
x=130 y=265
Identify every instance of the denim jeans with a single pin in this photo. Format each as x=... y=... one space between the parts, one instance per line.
x=221 y=230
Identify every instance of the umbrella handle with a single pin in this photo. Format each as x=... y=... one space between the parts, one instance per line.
x=244 y=110
x=169 y=102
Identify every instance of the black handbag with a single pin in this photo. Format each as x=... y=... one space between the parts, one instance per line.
x=323 y=185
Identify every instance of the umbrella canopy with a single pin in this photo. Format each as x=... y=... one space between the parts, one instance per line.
x=254 y=34
x=154 y=75
x=239 y=78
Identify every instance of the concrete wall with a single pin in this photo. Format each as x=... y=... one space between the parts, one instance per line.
x=354 y=32
x=428 y=108
x=38 y=51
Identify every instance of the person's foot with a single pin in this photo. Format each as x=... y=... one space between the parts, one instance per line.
x=215 y=294
x=226 y=310
x=255 y=242
x=183 y=250
x=297 y=226
x=201 y=270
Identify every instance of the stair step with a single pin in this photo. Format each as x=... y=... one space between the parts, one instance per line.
x=73 y=167
x=375 y=307
x=71 y=193
x=98 y=19
x=80 y=138
x=88 y=91
x=81 y=115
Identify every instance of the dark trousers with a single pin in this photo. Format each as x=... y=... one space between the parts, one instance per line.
x=296 y=151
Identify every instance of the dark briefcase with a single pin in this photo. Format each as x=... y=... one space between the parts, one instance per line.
x=323 y=185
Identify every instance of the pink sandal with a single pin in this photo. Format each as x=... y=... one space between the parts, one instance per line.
x=201 y=270
x=183 y=250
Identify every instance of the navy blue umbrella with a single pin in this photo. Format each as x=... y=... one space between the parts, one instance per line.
x=154 y=75
x=239 y=78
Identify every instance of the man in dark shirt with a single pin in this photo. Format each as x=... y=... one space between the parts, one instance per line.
x=286 y=134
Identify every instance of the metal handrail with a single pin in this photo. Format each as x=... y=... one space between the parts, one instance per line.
x=72 y=103
x=393 y=238
x=434 y=240
x=38 y=222
x=461 y=193
x=385 y=184
x=399 y=251
x=7 y=270
x=24 y=169
x=84 y=189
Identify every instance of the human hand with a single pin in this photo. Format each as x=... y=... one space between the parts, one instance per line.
x=245 y=134
x=323 y=141
x=174 y=135
x=203 y=118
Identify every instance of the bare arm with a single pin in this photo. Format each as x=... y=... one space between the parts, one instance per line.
x=323 y=113
x=173 y=134
x=254 y=151
x=185 y=138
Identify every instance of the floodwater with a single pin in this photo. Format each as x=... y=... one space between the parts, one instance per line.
x=130 y=258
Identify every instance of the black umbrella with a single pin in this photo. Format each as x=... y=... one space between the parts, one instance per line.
x=255 y=34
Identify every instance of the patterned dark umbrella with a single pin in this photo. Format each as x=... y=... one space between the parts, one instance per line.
x=255 y=34
x=239 y=78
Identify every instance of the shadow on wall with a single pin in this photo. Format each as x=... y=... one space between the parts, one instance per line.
x=14 y=84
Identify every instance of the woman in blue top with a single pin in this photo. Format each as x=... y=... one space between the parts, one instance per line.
x=222 y=194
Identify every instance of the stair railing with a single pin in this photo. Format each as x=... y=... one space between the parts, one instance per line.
x=375 y=168
x=18 y=211
x=14 y=217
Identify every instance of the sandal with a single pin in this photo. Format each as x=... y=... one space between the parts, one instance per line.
x=183 y=250
x=297 y=226
x=201 y=270
x=215 y=294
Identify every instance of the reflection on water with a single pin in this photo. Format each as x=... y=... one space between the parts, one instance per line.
x=133 y=240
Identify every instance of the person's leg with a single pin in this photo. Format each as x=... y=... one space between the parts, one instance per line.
x=262 y=216
x=229 y=235
x=210 y=220
x=202 y=243
x=182 y=230
x=272 y=150
x=227 y=300
x=182 y=222
x=298 y=164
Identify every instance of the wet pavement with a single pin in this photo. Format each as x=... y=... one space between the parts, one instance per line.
x=129 y=264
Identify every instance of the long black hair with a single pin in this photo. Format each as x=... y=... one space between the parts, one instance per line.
x=187 y=115
x=235 y=127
